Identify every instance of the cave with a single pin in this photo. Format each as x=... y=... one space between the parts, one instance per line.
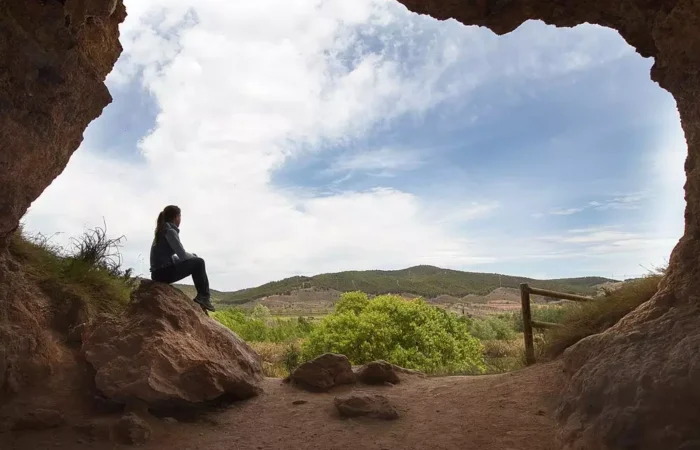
x=636 y=386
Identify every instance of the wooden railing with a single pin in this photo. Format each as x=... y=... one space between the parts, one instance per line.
x=529 y=324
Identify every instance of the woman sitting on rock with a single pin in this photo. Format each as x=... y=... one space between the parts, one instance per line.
x=169 y=260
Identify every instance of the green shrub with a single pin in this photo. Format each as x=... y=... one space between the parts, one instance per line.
x=492 y=328
x=409 y=333
x=291 y=357
x=551 y=314
x=585 y=319
x=255 y=328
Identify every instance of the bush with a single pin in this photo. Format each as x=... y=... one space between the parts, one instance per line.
x=492 y=328
x=585 y=319
x=409 y=333
x=551 y=314
x=253 y=328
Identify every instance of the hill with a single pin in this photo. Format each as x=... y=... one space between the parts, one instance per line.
x=425 y=281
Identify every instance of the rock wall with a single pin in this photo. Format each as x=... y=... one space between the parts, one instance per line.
x=636 y=386
x=54 y=57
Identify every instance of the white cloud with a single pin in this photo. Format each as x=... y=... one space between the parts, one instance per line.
x=242 y=87
x=566 y=212
x=384 y=160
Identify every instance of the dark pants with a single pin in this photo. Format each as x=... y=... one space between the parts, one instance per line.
x=183 y=269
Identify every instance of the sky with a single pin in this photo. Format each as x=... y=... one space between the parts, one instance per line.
x=313 y=136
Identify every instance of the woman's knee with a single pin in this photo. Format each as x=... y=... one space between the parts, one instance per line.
x=198 y=262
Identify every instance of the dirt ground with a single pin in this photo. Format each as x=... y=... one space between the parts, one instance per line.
x=499 y=412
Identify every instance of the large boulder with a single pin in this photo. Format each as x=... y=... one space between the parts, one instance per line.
x=165 y=351
x=323 y=373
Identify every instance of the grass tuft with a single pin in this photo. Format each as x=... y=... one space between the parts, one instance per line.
x=88 y=276
x=581 y=320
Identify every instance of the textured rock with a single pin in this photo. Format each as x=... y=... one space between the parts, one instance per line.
x=638 y=384
x=378 y=372
x=131 y=429
x=54 y=56
x=164 y=351
x=323 y=373
x=95 y=430
x=366 y=405
x=41 y=419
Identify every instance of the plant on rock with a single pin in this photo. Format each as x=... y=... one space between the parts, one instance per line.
x=409 y=333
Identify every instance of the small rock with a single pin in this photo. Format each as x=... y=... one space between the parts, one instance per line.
x=378 y=372
x=41 y=419
x=299 y=402
x=323 y=373
x=368 y=405
x=540 y=413
x=131 y=429
x=170 y=420
x=94 y=430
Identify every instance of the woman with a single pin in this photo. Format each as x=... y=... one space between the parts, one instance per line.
x=169 y=260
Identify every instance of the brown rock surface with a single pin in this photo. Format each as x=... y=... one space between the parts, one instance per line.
x=54 y=57
x=366 y=405
x=378 y=372
x=165 y=351
x=41 y=419
x=131 y=429
x=323 y=373
x=636 y=385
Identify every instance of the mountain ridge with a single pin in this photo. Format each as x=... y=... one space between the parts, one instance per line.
x=426 y=281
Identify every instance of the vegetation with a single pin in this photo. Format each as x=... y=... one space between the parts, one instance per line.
x=585 y=319
x=259 y=326
x=424 y=281
x=87 y=275
x=409 y=333
x=551 y=314
x=492 y=329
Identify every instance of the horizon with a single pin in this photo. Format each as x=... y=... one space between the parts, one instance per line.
x=329 y=138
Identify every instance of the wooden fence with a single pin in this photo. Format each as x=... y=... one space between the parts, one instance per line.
x=529 y=324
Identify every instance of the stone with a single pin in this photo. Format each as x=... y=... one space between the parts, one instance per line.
x=366 y=405
x=168 y=353
x=40 y=419
x=323 y=373
x=95 y=430
x=131 y=429
x=378 y=372
x=170 y=421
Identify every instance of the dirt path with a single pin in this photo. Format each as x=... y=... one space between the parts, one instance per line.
x=501 y=412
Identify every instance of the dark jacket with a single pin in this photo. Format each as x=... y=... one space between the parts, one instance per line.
x=167 y=249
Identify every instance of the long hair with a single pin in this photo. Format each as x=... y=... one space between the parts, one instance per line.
x=168 y=214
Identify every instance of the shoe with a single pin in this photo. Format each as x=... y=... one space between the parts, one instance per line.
x=205 y=302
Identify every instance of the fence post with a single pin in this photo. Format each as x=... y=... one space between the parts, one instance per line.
x=527 y=324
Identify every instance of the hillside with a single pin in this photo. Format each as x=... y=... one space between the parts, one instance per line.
x=425 y=281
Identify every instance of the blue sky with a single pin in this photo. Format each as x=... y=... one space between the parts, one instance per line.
x=332 y=137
